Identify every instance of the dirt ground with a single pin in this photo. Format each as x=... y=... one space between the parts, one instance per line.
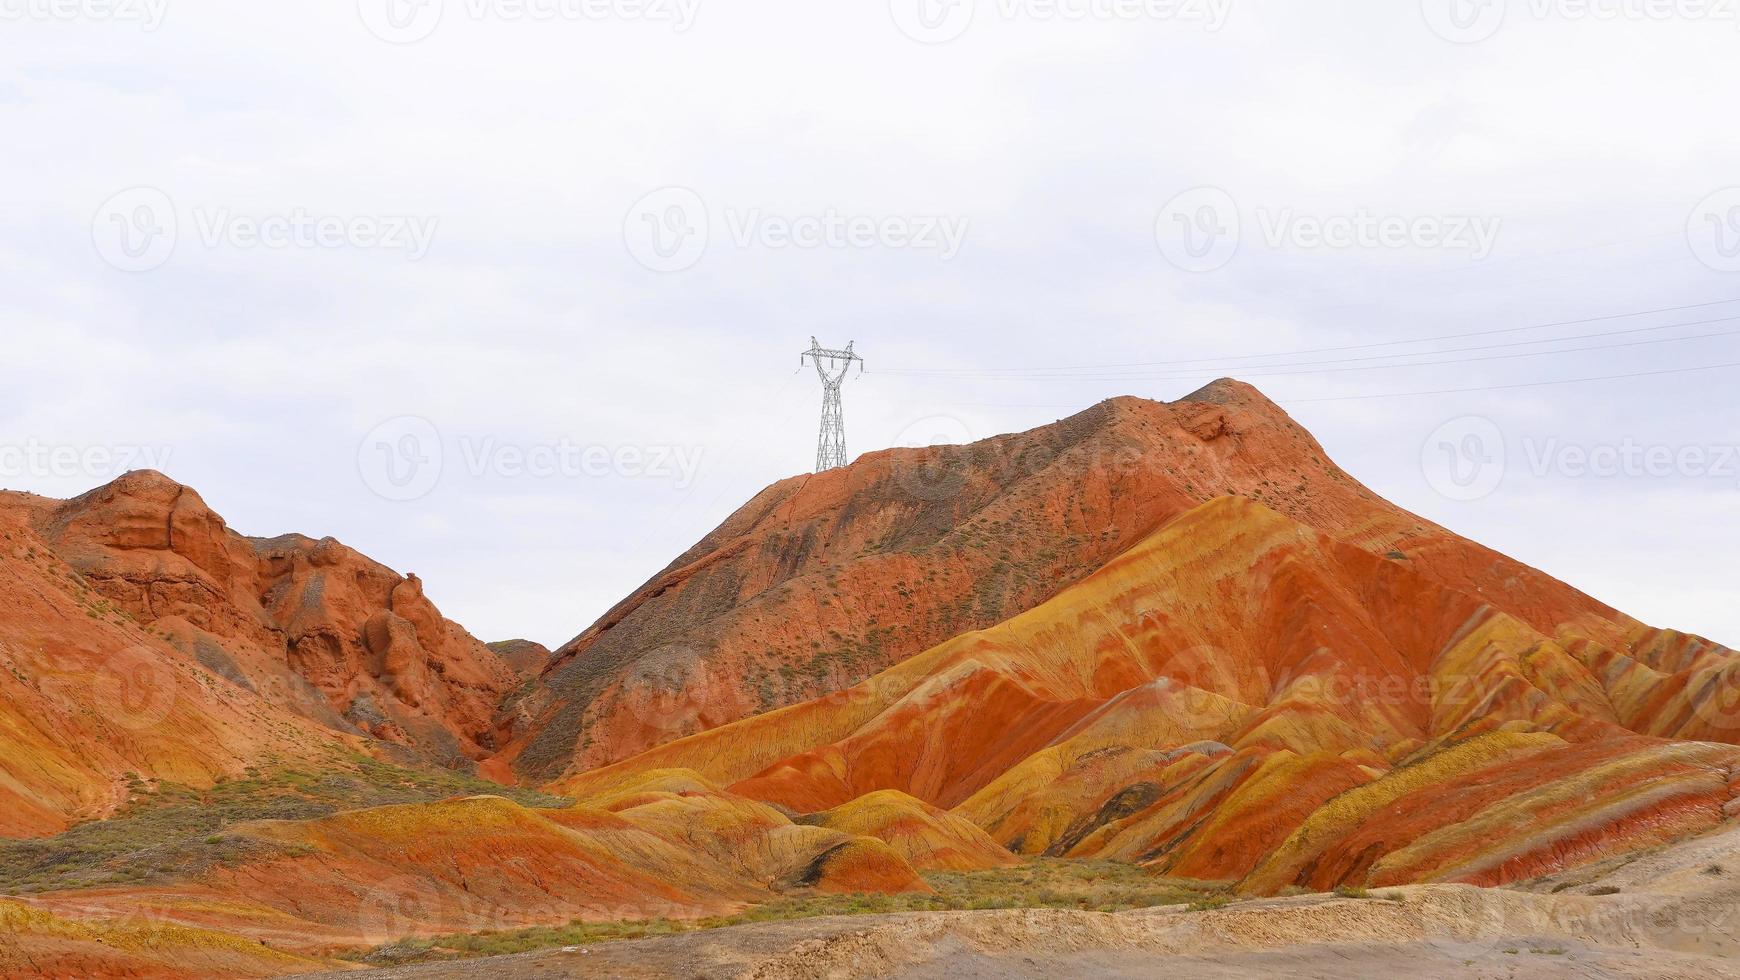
x=1672 y=914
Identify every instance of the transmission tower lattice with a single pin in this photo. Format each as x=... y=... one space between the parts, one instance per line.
x=831 y=367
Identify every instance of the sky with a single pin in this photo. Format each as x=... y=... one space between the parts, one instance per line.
x=511 y=293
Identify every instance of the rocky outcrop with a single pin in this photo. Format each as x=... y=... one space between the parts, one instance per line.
x=94 y=701
x=310 y=625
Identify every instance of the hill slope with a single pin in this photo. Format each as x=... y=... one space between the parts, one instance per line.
x=1241 y=697
x=821 y=581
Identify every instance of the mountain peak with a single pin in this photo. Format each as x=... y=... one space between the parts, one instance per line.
x=1229 y=391
x=819 y=582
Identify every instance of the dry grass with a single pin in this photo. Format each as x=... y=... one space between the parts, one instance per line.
x=1106 y=886
x=169 y=829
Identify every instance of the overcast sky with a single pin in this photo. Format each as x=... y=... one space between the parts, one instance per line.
x=359 y=270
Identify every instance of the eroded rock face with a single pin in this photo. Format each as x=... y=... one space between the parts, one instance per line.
x=821 y=581
x=92 y=698
x=309 y=624
x=1242 y=698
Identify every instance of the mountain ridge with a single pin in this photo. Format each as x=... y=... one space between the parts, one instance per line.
x=821 y=580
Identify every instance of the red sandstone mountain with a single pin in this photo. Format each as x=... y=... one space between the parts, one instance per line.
x=1242 y=698
x=1289 y=682
x=91 y=698
x=140 y=586
x=821 y=581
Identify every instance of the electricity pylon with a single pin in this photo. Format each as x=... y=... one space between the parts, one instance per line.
x=831 y=444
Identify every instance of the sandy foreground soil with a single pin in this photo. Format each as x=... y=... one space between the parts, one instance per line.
x=1673 y=913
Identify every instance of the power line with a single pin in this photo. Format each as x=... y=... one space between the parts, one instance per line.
x=1055 y=371
x=1263 y=370
x=1470 y=360
x=1524 y=384
x=1435 y=391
